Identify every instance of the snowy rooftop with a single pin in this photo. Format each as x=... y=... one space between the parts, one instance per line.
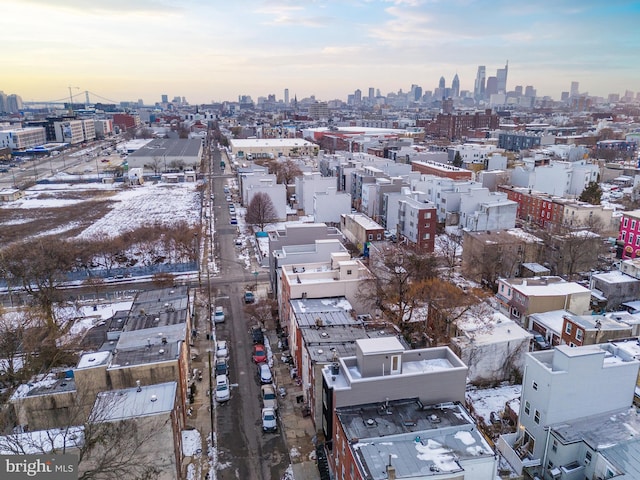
x=134 y=402
x=601 y=431
x=45 y=384
x=492 y=328
x=535 y=287
x=552 y=320
x=270 y=142
x=377 y=346
x=93 y=359
x=419 y=440
x=615 y=276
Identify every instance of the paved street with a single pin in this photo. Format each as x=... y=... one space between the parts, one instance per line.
x=242 y=450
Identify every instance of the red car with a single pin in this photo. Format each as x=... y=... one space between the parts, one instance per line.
x=259 y=353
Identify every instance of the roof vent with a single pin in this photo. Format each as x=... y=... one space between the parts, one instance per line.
x=370 y=422
x=154 y=398
x=320 y=351
x=324 y=334
x=138 y=387
x=161 y=351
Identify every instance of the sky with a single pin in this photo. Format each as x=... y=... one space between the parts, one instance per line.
x=215 y=50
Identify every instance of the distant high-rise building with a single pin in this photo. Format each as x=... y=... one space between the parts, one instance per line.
x=286 y=96
x=492 y=86
x=455 y=87
x=441 y=83
x=479 y=86
x=501 y=77
x=13 y=103
x=529 y=91
x=357 y=96
x=371 y=93
x=165 y=98
x=564 y=96
x=575 y=89
x=518 y=90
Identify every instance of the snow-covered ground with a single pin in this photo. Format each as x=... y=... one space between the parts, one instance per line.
x=487 y=400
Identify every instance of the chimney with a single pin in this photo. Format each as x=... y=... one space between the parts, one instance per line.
x=391 y=470
x=138 y=387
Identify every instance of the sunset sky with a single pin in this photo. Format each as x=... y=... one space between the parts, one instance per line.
x=213 y=50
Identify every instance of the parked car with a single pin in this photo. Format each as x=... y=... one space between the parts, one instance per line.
x=222 y=366
x=234 y=220
x=269 y=397
x=218 y=316
x=222 y=350
x=259 y=353
x=269 y=421
x=540 y=342
x=249 y=297
x=257 y=335
x=223 y=393
x=264 y=372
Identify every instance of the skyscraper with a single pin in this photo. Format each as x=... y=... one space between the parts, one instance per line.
x=441 y=83
x=286 y=96
x=501 y=76
x=575 y=89
x=455 y=87
x=479 y=86
x=357 y=96
x=371 y=93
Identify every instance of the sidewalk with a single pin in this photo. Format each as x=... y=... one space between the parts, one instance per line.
x=298 y=430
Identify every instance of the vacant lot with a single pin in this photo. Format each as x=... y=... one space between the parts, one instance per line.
x=94 y=210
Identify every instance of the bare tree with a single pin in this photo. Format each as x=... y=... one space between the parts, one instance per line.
x=41 y=265
x=448 y=247
x=261 y=211
x=397 y=275
x=107 y=449
x=155 y=165
x=286 y=171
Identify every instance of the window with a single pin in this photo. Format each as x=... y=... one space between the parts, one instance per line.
x=623 y=235
x=527 y=407
x=371 y=236
x=534 y=385
x=379 y=236
x=638 y=241
x=349 y=272
x=633 y=224
x=554 y=447
x=426 y=236
x=427 y=215
x=550 y=465
x=626 y=222
x=579 y=333
x=536 y=416
x=587 y=458
x=567 y=329
x=630 y=238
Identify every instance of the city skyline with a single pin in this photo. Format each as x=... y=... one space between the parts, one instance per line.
x=140 y=49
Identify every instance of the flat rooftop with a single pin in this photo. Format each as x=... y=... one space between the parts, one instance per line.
x=419 y=440
x=601 y=431
x=135 y=402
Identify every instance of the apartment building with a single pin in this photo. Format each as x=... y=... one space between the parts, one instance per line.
x=488 y=255
x=521 y=297
x=340 y=277
x=69 y=131
x=441 y=170
x=417 y=223
x=563 y=385
x=578 y=330
x=392 y=412
x=629 y=234
x=360 y=230
x=303 y=236
x=22 y=138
